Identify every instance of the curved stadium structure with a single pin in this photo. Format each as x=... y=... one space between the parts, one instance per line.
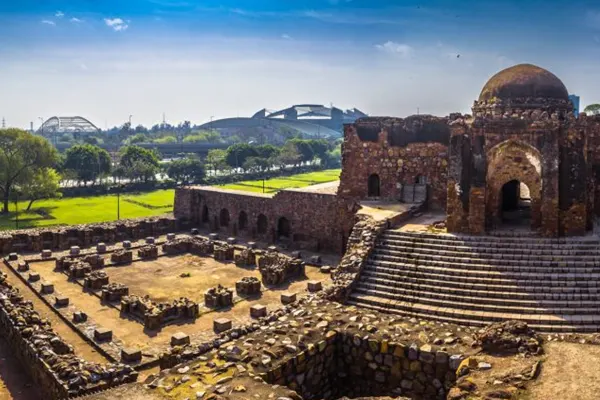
x=61 y=125
x=313 y=120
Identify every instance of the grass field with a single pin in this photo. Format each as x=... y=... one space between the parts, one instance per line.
x=287 y=182
x=84 y=210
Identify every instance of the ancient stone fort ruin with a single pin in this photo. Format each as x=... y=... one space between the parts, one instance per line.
x=382 y=284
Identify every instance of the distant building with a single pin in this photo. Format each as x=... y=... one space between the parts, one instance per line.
x=575 y=100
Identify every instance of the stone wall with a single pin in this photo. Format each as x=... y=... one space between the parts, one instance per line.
x=316 y=221
x=63 y=238
x=400 y=152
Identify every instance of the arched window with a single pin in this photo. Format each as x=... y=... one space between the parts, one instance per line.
x=373 y=186
x=205 y=218
x=262 y=224
x=243 y=221
x=283 y=227
x=224 y=217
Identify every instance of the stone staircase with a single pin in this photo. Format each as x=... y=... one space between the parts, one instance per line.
x=552 y=284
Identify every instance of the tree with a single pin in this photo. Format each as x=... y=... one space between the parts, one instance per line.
x=44 y=184
x=237 y=154
x=166 y=139
x=21 y=155
x=593 y=109
x=189 y=169
x=304 y=148
x=288 y=155
x=87 y=162
x=319 y=147
x=139 y=163
x=216 y=159
x=137 y=138
x=257 y=164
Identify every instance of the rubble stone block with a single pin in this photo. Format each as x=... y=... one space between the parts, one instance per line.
x=23 y=266
x=102 y=334
x=171 y=236
x=150 y=240
x=46 y=253
x=314 y=286
x=326 y=269
x=272 y=248
x=213 y=236
x=195 y=231
x=231 y=240
x=74 y=251
x=61 y=301
x=180 y=339
x=296 y=254
x=222 y=325
x=316 y=260
x=131 y=355
x=287 y=298
x=13 y=257
x=79 y=316
x=33 y=277
x=258 y=310
x=126 y=244
x=251 y=245
x=47 y=288
x=101 y=247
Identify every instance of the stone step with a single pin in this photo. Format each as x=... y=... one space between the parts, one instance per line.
x=476 y=304
x=445 y=281
x=547 y=319
x=492 y=240
x=467 y=251
x=449 y=275
x=435 y=289
x=507 y=259
x=480 y=297
x=540 y=327
x=452 y=269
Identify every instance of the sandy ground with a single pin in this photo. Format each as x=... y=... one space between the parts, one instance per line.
x=570 y=372
x=160 y=279
x=15 y=383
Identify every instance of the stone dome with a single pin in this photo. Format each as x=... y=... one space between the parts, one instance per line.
x=524 y=81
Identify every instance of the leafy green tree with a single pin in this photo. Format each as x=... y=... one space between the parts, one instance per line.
x=186 y=170
x=267 y=151
x=593 y=109
x=319 y=147
x=288 y=155
x=21 y=155
x=166 y=139
x=304 y=148
x=237 y=154
x=215 y=159
x=139 y=163
x=87 y=162
x=44 y=184
x=257 y=164
x=137 y=138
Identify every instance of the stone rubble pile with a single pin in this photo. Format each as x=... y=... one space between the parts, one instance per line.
x=114 y=291
x=247 y=286
x=79 y=269
x=156 y=315
x=120 y=257
x=148 y=252
x=58 y=372
x=95 y=260
x=246 y=257
x=509 y=337
x=95 y=280
x=276 y=268
x=223 y=252
x=218 y=297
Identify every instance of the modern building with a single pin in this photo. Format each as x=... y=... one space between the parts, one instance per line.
x=311 y=120
x=60 y=125
x=575 y=101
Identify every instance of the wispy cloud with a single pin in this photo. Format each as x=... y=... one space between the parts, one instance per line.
x=76 y=20
x=59 y=14
x=398 y=49
x=286 y=36
x=116 y=24
x=332 y=16
x=48 y=22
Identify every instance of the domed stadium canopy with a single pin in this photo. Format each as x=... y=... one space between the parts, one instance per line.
x=67 y=125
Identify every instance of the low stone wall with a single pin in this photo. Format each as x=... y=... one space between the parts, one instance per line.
x=276 y=268
x=51 y=362
x=156 y=315
x=62 y=238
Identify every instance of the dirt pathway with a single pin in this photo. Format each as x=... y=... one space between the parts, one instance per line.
x=569 y=372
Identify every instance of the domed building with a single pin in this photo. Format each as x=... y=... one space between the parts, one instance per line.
x=521 y=160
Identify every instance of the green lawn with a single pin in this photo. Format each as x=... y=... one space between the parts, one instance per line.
x=85 y=210
x=286 y=182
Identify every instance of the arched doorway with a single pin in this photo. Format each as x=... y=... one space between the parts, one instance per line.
x=283 y=227
x=243 y=221
x=262 y=224
x=515 y=204
x=373 y=186
x=205 y=216
x=224 y=217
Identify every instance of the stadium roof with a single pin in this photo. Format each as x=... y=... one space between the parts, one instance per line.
x=67 y=125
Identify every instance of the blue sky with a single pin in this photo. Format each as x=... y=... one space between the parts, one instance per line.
x=106 y=59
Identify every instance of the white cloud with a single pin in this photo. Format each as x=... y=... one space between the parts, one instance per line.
x=59 y=14
x=286 y=36
x=116 y=23
x=48 y=22
x=76 y=20
x=400 y=49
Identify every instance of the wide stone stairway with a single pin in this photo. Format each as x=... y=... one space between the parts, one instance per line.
x=552 y=284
